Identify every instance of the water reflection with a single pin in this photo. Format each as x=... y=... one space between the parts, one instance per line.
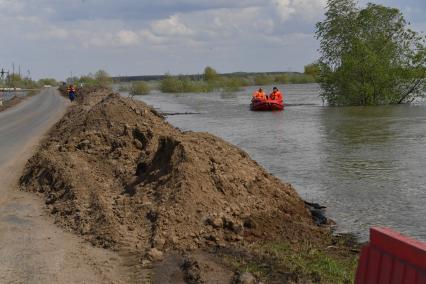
x=366 y=179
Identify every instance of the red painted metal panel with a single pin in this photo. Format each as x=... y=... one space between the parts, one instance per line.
x=402 y=247
x=386 y=269
x=421 y=278
x=410 y=275
x=398 y=273
x=373 y=271
x=392 y=258
x=362 y=266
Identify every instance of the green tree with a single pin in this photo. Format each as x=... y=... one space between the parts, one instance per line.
x=210 y=74
x=312 y=69
x=17 y=81
x=369 y=56
x=102 y=79
x=86 y=80
x=139 y=88
x=47 y=81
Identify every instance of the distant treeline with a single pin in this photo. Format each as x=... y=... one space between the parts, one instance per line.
x=16 y=81
x=208 y=81
x=200 y=77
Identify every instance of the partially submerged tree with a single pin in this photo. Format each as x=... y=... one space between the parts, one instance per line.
x=369 y=56
x=210 y=74
x=312 y=69
x=139 y=88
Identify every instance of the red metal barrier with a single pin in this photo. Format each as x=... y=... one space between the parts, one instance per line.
x=392 y=258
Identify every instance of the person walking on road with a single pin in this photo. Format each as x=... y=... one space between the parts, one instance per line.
x=71 y=92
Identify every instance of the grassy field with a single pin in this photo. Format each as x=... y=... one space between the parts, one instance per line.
x=298 y=263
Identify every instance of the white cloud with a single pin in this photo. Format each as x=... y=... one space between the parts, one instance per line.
x=171 y=26
x=307 y=9
x=55 y=32
x=126 y=37
x=230 y=35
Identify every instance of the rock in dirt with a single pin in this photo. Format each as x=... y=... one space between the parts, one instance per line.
x=191 y=270
x=244 y=278
x=155 y=254
x=113 y=170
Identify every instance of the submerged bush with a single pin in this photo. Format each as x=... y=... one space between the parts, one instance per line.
x=182 y=84
x=294 y=78
x=139 y=88
x=263 y=80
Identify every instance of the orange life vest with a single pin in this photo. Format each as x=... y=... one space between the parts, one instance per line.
x=259 y=95
x=276 y=96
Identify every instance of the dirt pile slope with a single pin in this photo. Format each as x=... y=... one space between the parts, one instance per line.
x=115 y=172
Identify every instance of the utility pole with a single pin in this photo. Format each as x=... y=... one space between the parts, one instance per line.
x=2 y=77
x=13 y=75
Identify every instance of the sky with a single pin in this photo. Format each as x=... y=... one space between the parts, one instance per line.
x=57 y=38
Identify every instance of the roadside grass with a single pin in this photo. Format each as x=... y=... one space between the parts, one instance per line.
x=300 y=263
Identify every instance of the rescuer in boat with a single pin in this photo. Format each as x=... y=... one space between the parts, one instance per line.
x=276 y=95
x=259 y=95
x=71 y=92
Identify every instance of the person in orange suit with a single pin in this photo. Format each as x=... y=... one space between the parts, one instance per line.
x=259 y=95
x=71 y=92
x=276 y=94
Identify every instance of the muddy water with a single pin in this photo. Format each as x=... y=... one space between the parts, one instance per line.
x=366 y=164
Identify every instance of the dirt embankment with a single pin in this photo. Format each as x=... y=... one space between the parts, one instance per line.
x=113 y=171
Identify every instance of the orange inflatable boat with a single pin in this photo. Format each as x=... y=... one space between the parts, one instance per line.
x=266 y=105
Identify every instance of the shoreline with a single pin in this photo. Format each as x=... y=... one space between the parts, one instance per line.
x=208 y=234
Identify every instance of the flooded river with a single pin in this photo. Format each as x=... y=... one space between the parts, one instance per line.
x=366 y=164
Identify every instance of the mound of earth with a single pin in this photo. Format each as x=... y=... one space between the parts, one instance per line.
x=114 y=171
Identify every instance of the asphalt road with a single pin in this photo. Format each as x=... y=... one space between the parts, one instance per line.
x=32 y=248
x=26 y=121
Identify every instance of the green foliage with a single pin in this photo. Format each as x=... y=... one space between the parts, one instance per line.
x=101 y=79
x=47 y=81
x=312 y=69
x=263 y=80
x=369 y=56
x=173 y=84
x=139 y=88
x=210 y=74
x=16 y=81
x=305 y=262
x=294 y=78
x=211 y=82
x=314 y=262
x=233 y=84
